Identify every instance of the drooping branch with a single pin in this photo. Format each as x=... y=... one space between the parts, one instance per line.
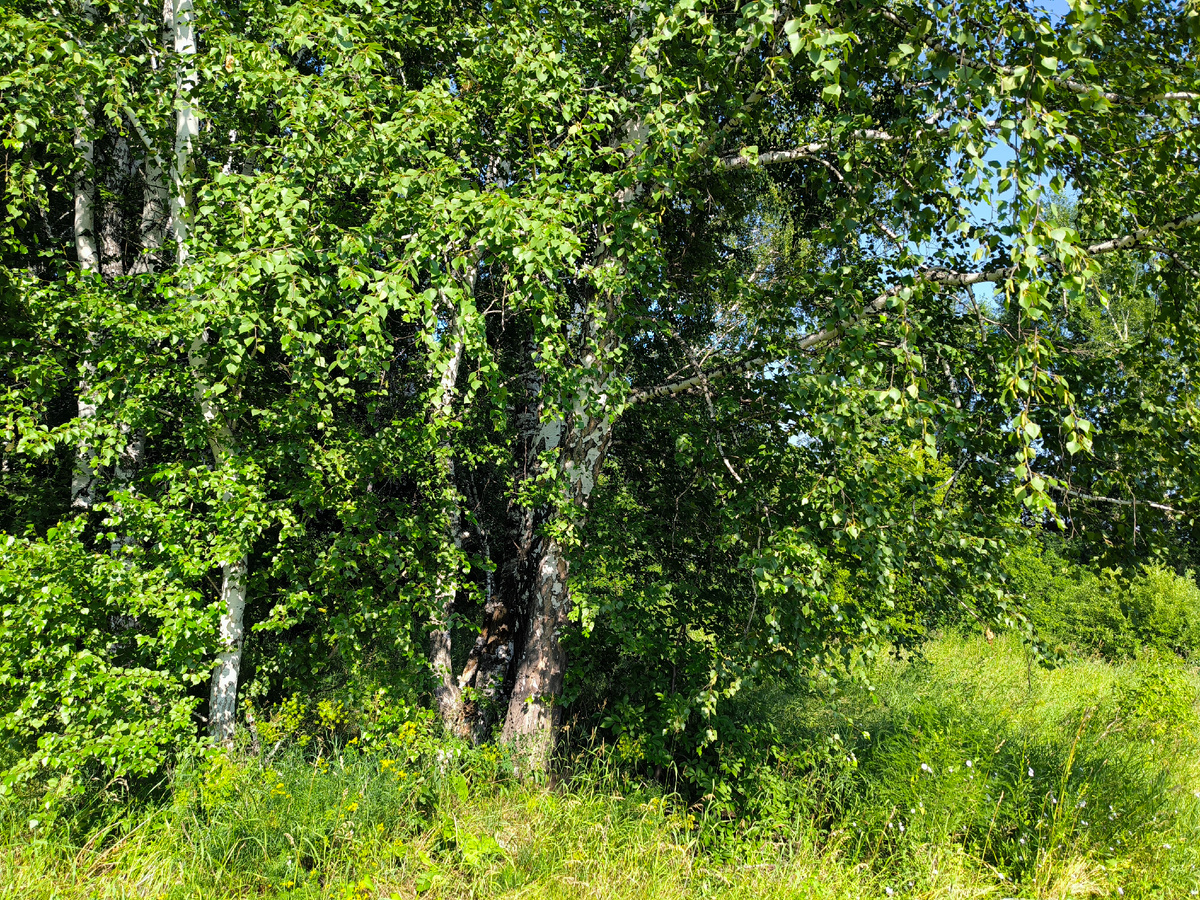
x=1057 y=484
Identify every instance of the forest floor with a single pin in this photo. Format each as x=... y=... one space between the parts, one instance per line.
x=967 y=772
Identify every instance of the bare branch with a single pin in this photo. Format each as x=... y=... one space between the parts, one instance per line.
x=816 y=339
x=1056 y=484
x=810 y=151
x=1118 y=501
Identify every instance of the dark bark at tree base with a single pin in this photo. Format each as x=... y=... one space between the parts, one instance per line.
x=531 y=724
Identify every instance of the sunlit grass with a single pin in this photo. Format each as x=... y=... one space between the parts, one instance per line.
x=932 y=797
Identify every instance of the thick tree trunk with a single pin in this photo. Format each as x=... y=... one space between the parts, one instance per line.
x=155 y=205
x=112 y=225
x=533 y=710
x=532 y=721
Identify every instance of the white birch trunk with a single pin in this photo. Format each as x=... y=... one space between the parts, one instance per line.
x=449 y=690
x=83 y=477
x=187 y=124
x=223 y=695
x=222 y=703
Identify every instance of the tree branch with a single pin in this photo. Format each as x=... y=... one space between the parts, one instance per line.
x=1119 y=501
x=1056 y=484
x=1124 y=242
x=1069 y=84
x=816 y=339
x=930 y=276
x=810 y=151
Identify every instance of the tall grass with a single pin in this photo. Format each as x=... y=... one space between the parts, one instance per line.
x=968 y=772
x=1083 y=779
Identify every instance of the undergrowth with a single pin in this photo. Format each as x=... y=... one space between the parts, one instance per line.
x=968 y=771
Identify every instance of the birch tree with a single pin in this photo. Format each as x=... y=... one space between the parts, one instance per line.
x=435 y=272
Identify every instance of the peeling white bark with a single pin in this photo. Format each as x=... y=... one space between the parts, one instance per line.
x=223 y=695
x=85 y=205
x=187 y=124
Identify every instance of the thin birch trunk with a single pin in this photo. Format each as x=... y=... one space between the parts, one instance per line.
x=234 y=572
x=447 y=691
x=533 y=711
x=222 y=703
x=84 y=474
x=187 y=124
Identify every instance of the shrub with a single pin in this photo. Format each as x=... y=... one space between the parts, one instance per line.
x=1164 y=610
x=1071 y=606
x=99 y=659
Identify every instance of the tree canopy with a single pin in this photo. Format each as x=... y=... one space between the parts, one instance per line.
x=597 y=356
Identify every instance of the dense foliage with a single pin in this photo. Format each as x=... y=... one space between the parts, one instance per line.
x=606 y=359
